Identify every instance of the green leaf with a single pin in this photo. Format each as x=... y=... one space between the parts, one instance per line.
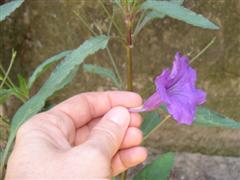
x=104 y=72
x=151 y=120
x=45 y=65
x=159 y=169
x=7 y=8
x=117 y=2
x=179 y=12
x=179 y=2
x=60 y=77
x=149 y=16
x=154 y=15
x=23 y=86
x=4 y=94
x=210 y=118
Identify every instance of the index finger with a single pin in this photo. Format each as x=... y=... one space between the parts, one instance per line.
x=86 y=106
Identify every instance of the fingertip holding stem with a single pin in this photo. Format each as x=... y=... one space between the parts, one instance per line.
x=136 y=109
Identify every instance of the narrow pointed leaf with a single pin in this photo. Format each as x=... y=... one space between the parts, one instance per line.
x=23 y=86
x=7 y=8
x=179 y=2
x=149 y=16
x=154 y=15
x=104 y=72
x=207 y=117
x=179 y=12
x=159 y=169
x=45 y=65
x=60 y=77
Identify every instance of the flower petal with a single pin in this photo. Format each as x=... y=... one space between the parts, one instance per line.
x=182 y=112
x=153 y=102
x=176 y=88
x=184 y=99
x=179 y=68
x=161 y=83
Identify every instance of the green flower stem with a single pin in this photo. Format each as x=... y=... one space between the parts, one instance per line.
x=8 y=82
x=123 y=176
x=9 y=68
x=115 y=67
x=203 y=50
x=110 y=54
x=111 y=17
x=5 y=120
x=85 y=23
x=155 y=128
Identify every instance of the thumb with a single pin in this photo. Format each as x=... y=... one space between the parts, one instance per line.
x=108 y=133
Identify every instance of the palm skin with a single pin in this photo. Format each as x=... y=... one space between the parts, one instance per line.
x=89 y=136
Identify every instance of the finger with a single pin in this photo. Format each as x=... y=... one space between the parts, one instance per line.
x=83 y=132
x=107 y=135
x=132 y=138
x=87 y=106
x=127 y=158
x=136 y=120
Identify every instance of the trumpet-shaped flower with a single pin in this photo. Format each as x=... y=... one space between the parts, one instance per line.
x=176 y=89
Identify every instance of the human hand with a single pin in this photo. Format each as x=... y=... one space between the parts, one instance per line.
x=89 y=136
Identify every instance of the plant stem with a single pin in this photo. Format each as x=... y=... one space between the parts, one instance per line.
x=5 y=120
x=109 y=16
x=110 y=54
x=85 y=23
x=203 y=50
x=8 y=82
x=129 y=47
x=9 y=68
x=123 y=176
x=114 y=67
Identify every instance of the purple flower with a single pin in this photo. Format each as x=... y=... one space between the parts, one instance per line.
x=176 y=89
